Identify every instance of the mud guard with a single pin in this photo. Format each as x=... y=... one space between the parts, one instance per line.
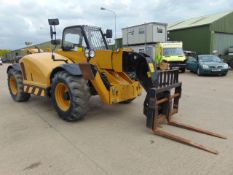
x=86 y=70
x=73 y=69
x=15 y=66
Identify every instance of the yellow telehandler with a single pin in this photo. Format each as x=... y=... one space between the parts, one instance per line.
x=84 y=66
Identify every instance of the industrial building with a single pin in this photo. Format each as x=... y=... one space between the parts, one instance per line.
x=204 y=34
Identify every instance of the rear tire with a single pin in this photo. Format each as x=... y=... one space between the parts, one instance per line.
x=70 y=96
x=15 y=85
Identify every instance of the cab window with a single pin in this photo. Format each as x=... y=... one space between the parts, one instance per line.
x=73 y=39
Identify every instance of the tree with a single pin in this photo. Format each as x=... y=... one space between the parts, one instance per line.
x=3 y=52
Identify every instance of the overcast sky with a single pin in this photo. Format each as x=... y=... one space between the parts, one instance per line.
x=26 y=20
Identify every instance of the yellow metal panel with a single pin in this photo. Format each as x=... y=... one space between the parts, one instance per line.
x=36 y=91
x=24 y=88
x=42 y=93
x=117 y=77
x=122 y=87
x=101 y=89
x=117 y=61
x=30 y=90
x=152 y=69
x=75 y=56
x=103 y=59
x=120 y=92
x=38 y=68
x=107 y=59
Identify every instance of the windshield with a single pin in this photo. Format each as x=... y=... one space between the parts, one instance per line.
x=95 y=38
x=209 y=58
x=73 y=39
x=173 y=52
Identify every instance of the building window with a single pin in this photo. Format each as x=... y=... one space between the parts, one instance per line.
x=141 y=31
x=159 y=30
x=141 y=51
x=131 y=32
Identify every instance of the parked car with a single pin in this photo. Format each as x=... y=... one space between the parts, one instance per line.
x=207 y=65
x=0 y=61
x=190 y=53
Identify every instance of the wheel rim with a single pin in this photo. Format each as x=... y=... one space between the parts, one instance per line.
x=62 y=96
x=13 y=85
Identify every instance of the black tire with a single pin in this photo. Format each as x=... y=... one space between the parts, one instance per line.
x=78 y=92
x=19 y=95
x=224 y=74
x=231 y=64
x=198 y=72
x=182 y=70
x=127 y=101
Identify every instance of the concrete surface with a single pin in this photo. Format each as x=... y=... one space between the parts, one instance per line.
x=113 y=139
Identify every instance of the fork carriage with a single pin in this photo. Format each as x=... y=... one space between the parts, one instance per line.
x=162 y=102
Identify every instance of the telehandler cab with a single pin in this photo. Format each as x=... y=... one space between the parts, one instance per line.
x=84 y=66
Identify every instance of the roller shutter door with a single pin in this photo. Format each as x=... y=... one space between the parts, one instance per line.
x=222 y=42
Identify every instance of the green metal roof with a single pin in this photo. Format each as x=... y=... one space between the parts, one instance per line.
x=199 y=21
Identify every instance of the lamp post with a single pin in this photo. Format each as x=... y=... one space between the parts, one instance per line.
x=114 y=13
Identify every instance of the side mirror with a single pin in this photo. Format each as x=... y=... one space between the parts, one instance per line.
x=53 y=22
x=108 y=33
x=56 y=42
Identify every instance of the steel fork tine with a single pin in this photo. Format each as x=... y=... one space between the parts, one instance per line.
x=192 y=128
x=183 y=140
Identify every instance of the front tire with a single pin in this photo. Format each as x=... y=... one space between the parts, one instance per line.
x=70 y=96
x=182 y=70
x=15 y=85
x=198 y=72
x=224 y=74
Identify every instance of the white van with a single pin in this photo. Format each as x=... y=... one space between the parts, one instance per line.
x=0 y=61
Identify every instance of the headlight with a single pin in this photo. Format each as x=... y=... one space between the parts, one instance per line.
x=225 y=66
x=205 y=66
x=89 y=53
x=92 y=53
